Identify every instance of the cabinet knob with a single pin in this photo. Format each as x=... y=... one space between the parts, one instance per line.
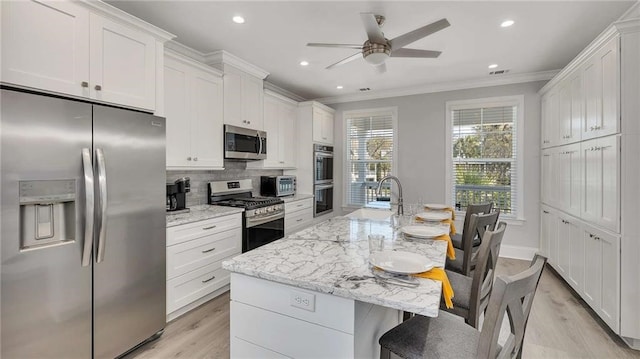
x=249 y=122
x=195 y=158
x=188 y=158
x=281 y=161
x=84 y=84
x=98 y=87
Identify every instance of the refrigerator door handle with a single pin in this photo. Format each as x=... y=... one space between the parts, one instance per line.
x=89 y=206
x=102 y=185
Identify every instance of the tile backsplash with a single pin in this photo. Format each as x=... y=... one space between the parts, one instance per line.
x=233 y=170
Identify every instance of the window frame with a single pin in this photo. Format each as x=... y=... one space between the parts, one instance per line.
x=515 y=100
x=346 y=176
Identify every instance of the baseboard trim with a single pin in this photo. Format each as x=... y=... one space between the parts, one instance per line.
x=633 y=343
x=195 y=304
x=517 y=252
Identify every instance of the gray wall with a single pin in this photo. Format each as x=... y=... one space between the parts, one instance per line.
x=233 y=170
x=421 y=150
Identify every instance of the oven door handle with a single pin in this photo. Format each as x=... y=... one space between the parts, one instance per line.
x=321 y=187
x=262 y=220
x=324 y=155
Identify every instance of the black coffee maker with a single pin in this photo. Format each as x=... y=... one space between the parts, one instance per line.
x=177 y=195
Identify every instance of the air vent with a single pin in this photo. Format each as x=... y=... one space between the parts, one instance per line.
x=499 y=72
x=365 y=89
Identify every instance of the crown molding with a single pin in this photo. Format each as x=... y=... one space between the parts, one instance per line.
x=443 y=86
x=316 y=104
x=185 y=50
x=114 y=13
x=280 y=97
x=170 y=53
x=222 y=57
x=282 y=92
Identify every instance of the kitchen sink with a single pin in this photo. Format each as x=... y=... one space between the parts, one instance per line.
x=371 y=213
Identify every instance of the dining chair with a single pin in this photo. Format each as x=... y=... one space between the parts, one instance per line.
x=466 y=258
x=479 y=208
x=448 y=337
x=472 y=293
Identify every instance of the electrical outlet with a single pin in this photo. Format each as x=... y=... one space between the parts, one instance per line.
x=303 y=300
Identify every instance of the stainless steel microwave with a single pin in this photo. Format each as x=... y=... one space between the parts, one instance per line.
x=244 y=143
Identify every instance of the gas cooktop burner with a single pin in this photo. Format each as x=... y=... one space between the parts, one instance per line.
x=250 y=203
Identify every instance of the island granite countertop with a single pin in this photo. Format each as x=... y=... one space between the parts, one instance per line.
x=332 y=257
x=200 y=213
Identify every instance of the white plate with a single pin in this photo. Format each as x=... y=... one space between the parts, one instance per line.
x=436 y=206
x=434 y=216
x=424 y=231
x=401 y=262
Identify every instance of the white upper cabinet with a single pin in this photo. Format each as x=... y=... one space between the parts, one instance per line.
x=280 y=123
x=46 y=46
x=322 y=125
x=601 y=92
x=74 y=49
x=193 y=106
x=569 y=184
x=550 y=119
x=243 y=90
x=123 y=64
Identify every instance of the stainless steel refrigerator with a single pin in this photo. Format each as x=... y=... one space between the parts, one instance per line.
x=82 y=228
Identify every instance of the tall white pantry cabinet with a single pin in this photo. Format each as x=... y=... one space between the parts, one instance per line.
x=590 y=175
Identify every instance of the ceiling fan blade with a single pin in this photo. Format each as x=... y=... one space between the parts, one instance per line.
x=417 y=34
x=382 y=68
x=415 y=53
x=344 y=61
x=346 y=46
x=372 y=28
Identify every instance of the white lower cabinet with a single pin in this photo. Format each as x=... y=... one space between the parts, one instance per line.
x=195 y=252
x=297 y=215
x=602 y=274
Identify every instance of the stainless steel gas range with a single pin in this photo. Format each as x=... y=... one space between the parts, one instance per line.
x=263 y=218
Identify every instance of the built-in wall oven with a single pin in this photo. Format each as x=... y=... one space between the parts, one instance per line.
x=323 y=179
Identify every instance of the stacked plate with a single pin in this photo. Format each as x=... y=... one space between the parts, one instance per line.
x=436 y=206
x=400 y=262
x=424 y=231
x=434 y=216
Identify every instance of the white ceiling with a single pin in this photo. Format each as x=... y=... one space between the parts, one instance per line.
x=546 y=36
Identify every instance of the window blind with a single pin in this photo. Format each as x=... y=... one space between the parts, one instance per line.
x=369 y=151
x=484 y=157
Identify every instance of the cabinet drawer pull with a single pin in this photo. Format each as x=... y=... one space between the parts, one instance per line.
x=188 y=158
x=299 y=219
x=84 y=84
x=98 y=87
x=547 y=212
x=207 y=228
x=209 y=250
x=210 y=279
x=300 y=205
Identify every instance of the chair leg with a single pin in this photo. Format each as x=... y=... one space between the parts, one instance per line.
x=385 y=353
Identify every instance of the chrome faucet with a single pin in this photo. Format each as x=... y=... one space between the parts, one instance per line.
x=390 y=177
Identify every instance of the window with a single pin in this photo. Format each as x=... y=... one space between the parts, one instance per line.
x=485 y=155
x=370 y=144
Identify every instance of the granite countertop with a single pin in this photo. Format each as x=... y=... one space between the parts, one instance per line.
x=200 y=213
x=297 y=197
x=328 y=257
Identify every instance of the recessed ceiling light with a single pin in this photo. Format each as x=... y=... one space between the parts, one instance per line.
x=507 y=23
x=339 y=87
x=304 y=63
x=493 y=66
x=238 y=19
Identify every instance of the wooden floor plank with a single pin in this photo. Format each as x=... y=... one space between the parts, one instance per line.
x=560 y=326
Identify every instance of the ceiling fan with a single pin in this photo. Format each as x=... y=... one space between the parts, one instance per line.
x=378 y=48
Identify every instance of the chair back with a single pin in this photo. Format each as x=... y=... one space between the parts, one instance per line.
x=478 y=225
x=487 y=260
x=480 y=208
x=511 y=295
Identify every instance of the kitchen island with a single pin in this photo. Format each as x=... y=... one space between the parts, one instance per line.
x=313 y=294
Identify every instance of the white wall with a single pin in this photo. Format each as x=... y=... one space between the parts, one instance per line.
x=421 y=152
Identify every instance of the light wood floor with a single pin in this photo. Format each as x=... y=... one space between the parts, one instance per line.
x=560 y=326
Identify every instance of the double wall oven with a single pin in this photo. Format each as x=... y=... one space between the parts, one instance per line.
x=263 y=218
x=323 y=179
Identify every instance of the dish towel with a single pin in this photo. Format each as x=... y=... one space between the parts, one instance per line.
x=448 y=209
x=452 y=225
x=441 y=275
x=451 y=253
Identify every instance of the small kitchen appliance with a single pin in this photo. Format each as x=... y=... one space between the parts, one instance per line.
x=263 y=217
x=177 y=195
x=277 y=186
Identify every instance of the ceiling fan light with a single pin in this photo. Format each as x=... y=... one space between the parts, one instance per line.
x=376 y=58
